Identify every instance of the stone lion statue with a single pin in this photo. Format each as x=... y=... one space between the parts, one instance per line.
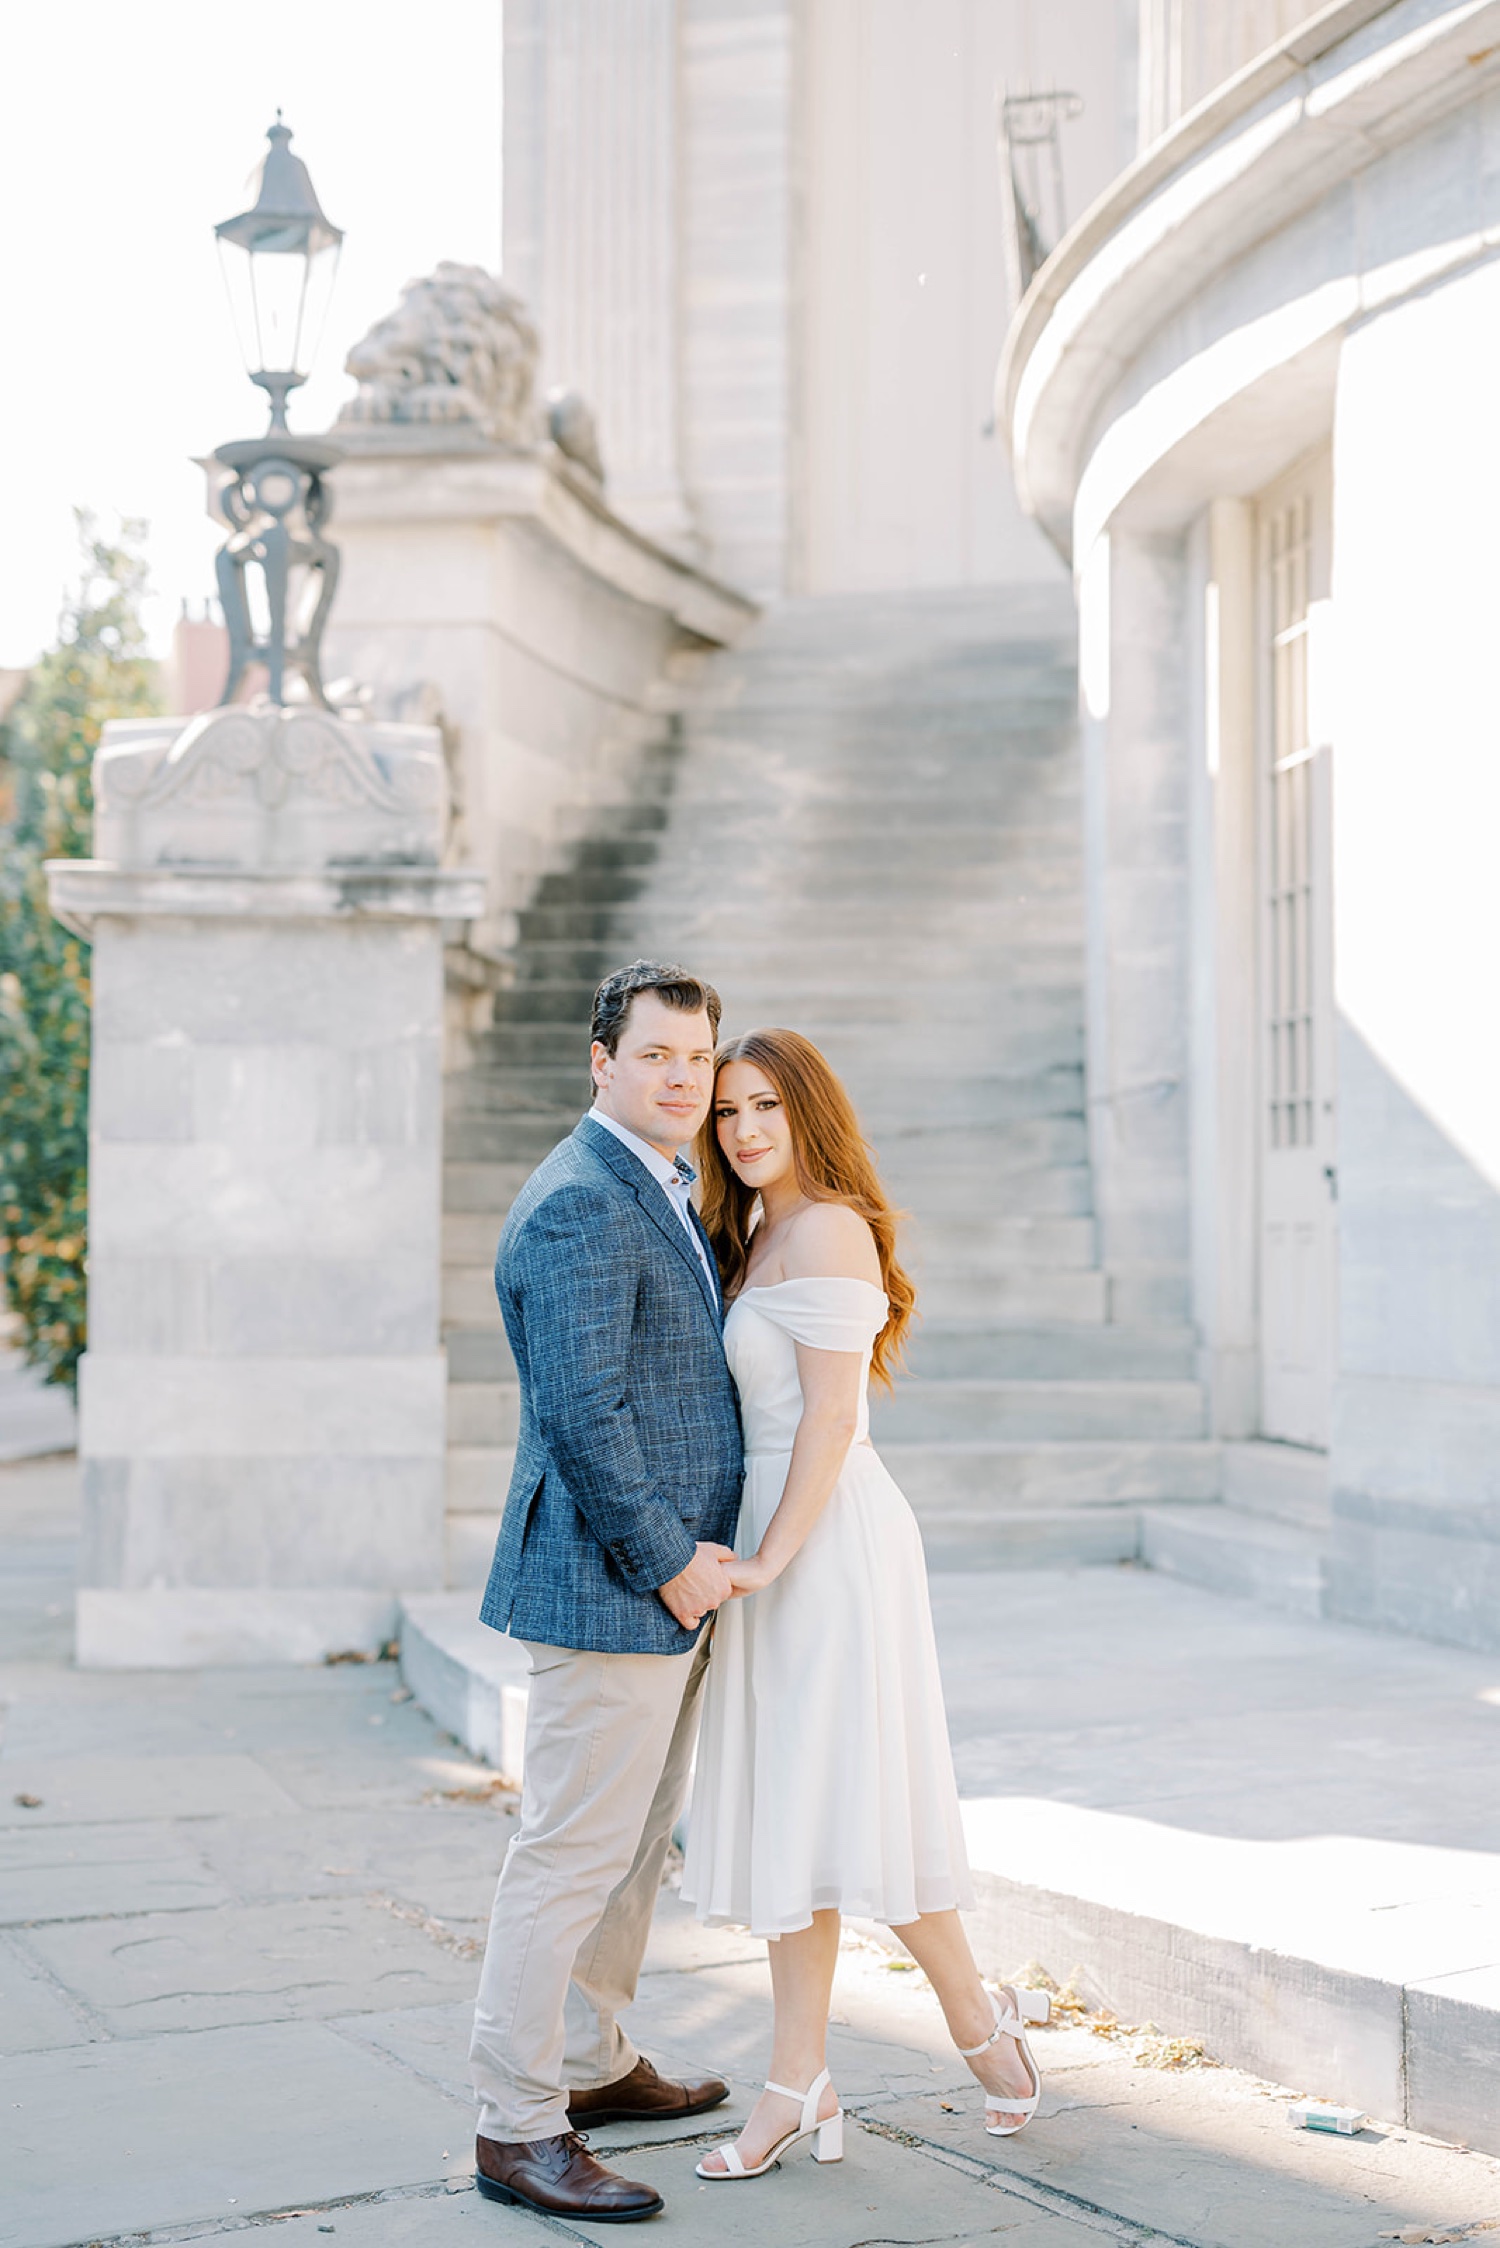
x=457 y=348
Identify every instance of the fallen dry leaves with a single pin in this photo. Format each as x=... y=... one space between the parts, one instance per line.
x=1071 y=2010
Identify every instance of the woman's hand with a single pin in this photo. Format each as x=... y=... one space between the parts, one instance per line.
x=749 y=1575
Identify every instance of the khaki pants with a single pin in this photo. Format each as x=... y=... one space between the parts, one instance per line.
x=609 y=1744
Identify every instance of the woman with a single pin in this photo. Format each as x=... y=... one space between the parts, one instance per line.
x=825 y=1779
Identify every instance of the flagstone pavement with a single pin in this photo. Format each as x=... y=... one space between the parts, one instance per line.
x=239 y=1920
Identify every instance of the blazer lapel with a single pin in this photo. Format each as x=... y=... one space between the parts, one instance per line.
x=652 y=1197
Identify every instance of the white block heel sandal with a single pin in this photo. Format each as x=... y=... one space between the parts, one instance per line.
x=1025 y=2006
x=827 y=2135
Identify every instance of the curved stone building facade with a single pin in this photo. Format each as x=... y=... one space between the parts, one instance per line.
x=1251 y=398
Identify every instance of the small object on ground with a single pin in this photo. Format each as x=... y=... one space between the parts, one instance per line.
x=350 y=1655
x=29 y=1802
x=402 y=1694
x=1322 y=2115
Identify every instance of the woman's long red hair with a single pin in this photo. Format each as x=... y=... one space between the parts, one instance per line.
x=833 y=1165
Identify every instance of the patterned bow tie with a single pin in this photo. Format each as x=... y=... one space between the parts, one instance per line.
x=684 y=1170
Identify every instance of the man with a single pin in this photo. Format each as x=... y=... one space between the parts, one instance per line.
x=610 y=1558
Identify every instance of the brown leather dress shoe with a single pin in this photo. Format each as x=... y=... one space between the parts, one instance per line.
x=645 y=2097
x=559 y=2178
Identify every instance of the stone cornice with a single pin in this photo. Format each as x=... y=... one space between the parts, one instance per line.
x=82 y=891
x=417 y=478
x=1306 y=115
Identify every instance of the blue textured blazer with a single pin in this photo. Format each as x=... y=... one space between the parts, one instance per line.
x=629 y=1448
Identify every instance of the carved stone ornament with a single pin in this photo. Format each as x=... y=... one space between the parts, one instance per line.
x=269 y=788
x=574 y=431
x=457 y=348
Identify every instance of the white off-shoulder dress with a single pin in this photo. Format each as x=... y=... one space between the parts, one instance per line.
x=824 y=1775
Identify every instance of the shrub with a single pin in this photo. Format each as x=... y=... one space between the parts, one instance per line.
x=98 y=670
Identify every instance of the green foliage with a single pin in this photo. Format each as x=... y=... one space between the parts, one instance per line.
x=98 y=670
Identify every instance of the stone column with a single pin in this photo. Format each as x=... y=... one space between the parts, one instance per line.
x=261 y=1402
x=1136 y=800
x=591 y=227
x=1224 y=948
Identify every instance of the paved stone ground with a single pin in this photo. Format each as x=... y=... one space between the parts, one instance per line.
x=238 y=1922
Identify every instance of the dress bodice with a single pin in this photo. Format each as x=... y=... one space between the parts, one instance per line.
x=761 y=1336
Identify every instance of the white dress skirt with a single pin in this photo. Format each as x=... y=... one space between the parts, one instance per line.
x=824 y=1777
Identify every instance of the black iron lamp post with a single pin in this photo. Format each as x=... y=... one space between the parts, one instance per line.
x=279 y=259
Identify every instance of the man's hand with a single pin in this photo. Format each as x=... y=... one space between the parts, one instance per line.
x=700 y=1587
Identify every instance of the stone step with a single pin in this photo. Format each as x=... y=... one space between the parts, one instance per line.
x=468 y=1294
x=1016 y=1034
x=846 y=816
x=472 y=1187
x=1250 y=1556
x=1056 y=1362
x=484 y=1414
x=478 y=1354
x=1062 y=1190
x=469 y=1542
x=569 y=1004
x=1032 y=960
x=886 y=1015
x=617 y=850
x=953 y=1247
x=958 y=1479
x=962 y=1412
x=640 y=814
x=505 y=1140
x=909 y=855
x=1063 y=1537
x=1281 y=1482
x=555 y=1090
x=958 y=1098
x=943 y=1478
x=979 y=1352
x=1022 y=1538
x=901 y=723
x=910 y=1152
x=1023 y=1299
x=1048 y=908
x=477 y=1477
x=941 y=1410
x=1019 y=1192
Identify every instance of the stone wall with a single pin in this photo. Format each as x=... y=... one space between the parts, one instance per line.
x=493 y=587
x=1416 y=1442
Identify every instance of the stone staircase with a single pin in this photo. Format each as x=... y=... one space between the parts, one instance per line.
x=1269 y=1540
x=866 y=826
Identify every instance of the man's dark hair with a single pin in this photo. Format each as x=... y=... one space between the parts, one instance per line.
x=674 y=987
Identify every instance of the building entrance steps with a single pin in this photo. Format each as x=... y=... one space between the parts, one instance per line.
x=1268 y=1541
x=867 y=826
x=1247 y=1828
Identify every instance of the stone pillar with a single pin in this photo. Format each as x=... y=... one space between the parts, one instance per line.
x=262 y=1399
x=1223 y=949
x=1136 y=772
x=591 y=227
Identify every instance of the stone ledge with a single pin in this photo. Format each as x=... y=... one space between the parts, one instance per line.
x=470 y=1680
x=83 y=891
x=1287 y=1958
x=496 y=483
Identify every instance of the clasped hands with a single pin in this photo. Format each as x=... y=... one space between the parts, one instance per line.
x=715 y=1574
